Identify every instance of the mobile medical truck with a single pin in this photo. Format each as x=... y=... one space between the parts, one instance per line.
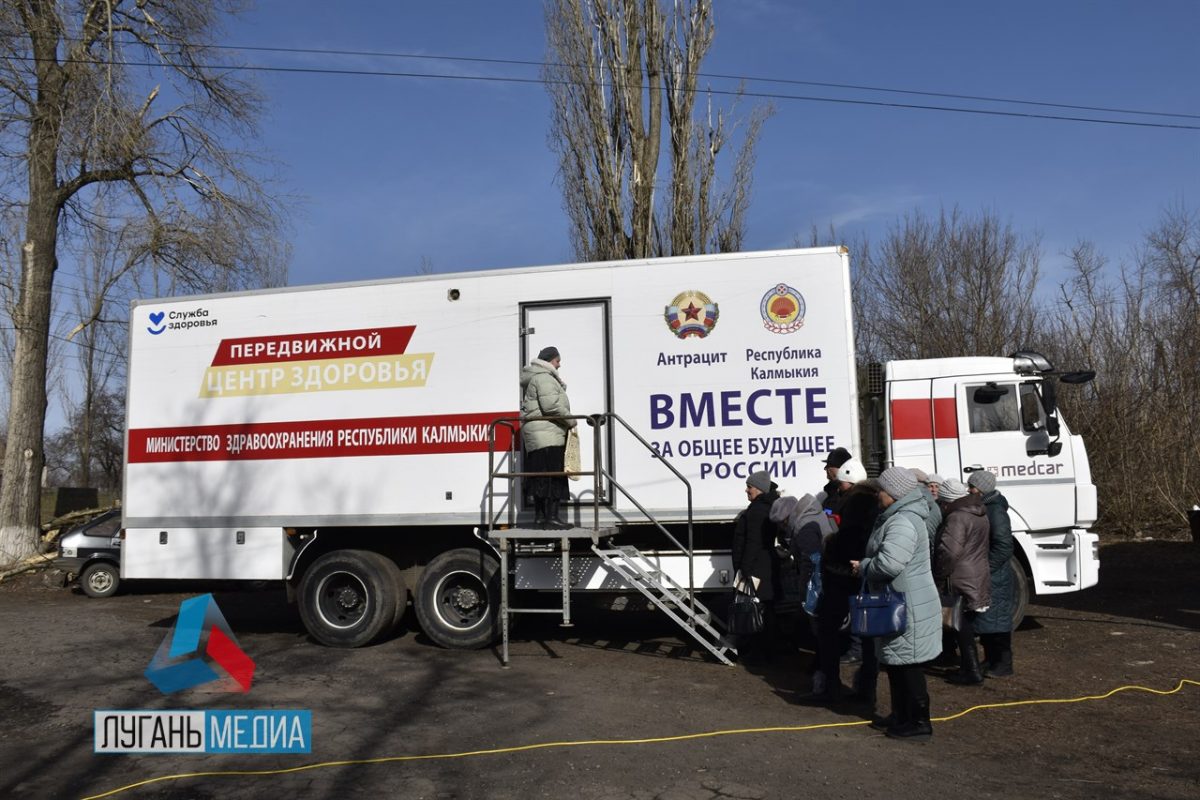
x=359 y=441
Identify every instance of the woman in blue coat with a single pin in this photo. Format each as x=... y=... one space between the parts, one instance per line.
x=898 y=554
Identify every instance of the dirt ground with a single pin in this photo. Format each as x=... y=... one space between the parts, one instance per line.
x=615 y=676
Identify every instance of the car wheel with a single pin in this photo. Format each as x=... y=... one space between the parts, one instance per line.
x=458 y=599
x=348 y=598
x=100 y=579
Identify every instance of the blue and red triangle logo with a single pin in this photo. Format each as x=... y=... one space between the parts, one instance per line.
x=200 y=650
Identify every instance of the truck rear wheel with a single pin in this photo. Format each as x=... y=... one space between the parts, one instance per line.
x=349 y=598
x=1020 y=591
x=458 y=599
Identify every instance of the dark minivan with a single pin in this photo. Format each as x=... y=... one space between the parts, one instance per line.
x=92 y=550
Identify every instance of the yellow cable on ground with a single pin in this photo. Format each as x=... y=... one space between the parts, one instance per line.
x=596 y=742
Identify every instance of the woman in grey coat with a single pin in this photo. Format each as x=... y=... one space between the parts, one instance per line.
x=543 y=394
x=898 y=554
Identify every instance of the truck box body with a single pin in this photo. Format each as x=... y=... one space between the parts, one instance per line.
x=368 y=404
x=371 y=415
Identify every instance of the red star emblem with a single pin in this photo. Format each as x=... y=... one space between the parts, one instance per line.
x=692 y=312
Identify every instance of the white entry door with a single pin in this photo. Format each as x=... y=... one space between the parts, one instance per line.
x=580 y=332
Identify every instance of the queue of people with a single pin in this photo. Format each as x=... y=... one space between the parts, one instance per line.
x=946 y=545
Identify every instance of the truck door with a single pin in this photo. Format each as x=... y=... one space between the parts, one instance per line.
x=998 y=421
x=580 y=331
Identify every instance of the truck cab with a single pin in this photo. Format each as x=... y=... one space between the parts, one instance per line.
x=954 y=416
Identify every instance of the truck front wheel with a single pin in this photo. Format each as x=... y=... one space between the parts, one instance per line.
x=349 y=598
x=458 y=599
x=1020 y=591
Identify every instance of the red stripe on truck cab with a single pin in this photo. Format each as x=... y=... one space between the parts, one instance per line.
x=918 y=419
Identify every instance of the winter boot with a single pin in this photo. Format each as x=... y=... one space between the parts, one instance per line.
x=917 y=729
x=899 y=713
x=999 y=664
x=968 y=671
x=553 y=522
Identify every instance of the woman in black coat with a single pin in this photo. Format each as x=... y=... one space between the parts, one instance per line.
x=754 y=557
x=858 y=510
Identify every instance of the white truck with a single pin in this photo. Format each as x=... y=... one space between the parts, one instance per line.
x=358 y=440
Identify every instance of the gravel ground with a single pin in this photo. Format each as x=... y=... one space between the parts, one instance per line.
x=615 y=676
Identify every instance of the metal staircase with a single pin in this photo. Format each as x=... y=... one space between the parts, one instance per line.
x=670 y=598
x=624 y=562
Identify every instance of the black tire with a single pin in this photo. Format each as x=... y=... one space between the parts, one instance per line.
x=100 y=579
x=458 y=599
x=348 y=598
x=401 y=596
x=1020 y=591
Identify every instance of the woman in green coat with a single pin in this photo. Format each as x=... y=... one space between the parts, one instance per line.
x=543 y=394
x=898 y=555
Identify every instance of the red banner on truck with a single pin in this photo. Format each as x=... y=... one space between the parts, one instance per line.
x=325 y=438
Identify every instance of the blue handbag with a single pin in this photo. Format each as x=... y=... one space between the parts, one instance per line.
x=813 y=596
x=878 y=613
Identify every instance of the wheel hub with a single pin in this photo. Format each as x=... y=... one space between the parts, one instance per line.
x=347 y=598
x=464 y=598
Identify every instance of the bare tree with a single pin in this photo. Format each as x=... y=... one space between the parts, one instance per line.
x=118 y=100
x=612 y=66
x=1139 y=329
x=935 y=288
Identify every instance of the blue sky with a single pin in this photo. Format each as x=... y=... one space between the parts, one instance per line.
x=394 y=170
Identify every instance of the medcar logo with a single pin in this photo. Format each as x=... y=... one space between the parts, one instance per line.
x=180 y=662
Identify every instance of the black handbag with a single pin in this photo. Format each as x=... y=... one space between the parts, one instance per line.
x=878 y=613
x=745 y=615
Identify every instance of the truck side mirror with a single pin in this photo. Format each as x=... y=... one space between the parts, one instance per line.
x=1038 y=444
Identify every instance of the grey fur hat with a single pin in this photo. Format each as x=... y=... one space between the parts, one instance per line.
x=897 y=481
x=983 y=480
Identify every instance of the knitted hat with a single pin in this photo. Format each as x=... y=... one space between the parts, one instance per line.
x=548 y=354
x=920 y=475
x=951 y=489
x=982 y=480
x=852 y=471
x=837 y=456
x=933 y=477
x=760 y=480
x=897 y=481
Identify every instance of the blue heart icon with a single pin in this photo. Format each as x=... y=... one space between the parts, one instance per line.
x=156 y=317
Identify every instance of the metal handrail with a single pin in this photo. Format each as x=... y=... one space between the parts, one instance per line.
x=508 y=422
x=597 y=472
x=688 y=485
